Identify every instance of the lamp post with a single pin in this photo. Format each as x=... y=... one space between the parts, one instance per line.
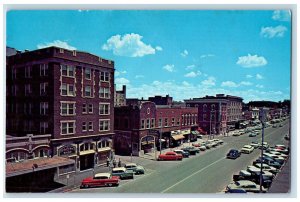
x=160 y=136
x=262 y=117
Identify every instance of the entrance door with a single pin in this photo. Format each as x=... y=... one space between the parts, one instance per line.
x=86 y=161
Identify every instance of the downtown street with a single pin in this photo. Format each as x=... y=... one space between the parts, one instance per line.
x=207 y=172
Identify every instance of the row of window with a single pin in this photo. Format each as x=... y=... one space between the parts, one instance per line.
x=68 y=108
x=68 y=127
x=91 y=146
x=28 y=125
x=66 y=70
x=69 y=90
x=187 y=119
x=28 y=89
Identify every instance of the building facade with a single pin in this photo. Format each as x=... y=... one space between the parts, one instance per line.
x=67 y=94
x=160 y=100
x=145 y=127
x=120 y=96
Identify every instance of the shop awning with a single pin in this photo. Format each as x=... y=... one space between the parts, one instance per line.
x=104 y=149
x=149 y=142
x=178 y=137
x=87 y=152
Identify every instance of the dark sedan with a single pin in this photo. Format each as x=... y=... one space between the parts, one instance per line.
x=233 y=154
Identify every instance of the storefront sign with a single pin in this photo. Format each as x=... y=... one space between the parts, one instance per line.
x=67 y=150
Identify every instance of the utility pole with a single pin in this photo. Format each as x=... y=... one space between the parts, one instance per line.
x=209 y=124
x=262 y=117
x=160 y=136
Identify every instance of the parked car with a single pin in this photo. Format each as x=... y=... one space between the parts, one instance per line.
x=218 y=141
x=280 y=146
x=274 y=126
x=279 y=159
x=200 y=136
x=254 y=144
x=100 y=179
x=280 y=125
x=265 y=145
x=252 y=134
x=208 y=145
x=247 y=185
x=202 y=146
x=277 y=154
x=170 y=156
x=268 y=161
x=247 y=149
x=185 y=154
x=236 y=190
x=256 y=171
x=135 y=168
x=266 y=167
x=233 y=154
x=122 y=172
x=236 y=133
x=191 y=150
x=245 y=175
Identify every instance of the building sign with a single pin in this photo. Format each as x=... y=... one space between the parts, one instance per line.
x=153 y=132
x=67 y=150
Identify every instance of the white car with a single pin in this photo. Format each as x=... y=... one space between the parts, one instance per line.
x=246 y=185
x=256 y=170
x=254 y=144
x=279 y=159
x=277 y=154
x=266 y=167
x=247 y=149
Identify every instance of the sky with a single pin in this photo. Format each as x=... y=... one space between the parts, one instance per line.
x=183 y=53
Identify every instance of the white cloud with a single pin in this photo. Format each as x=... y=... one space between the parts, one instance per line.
x=210 y=81
x=158 y=48
x=169 y=68
x=139 y=76
x=130 y=45
x=281 y=15
x=248 y=76
x=190 y=67
x=230 y=84
x=184 y=53
x=251 y=61
x=193 y=74
x=207 y=55
x=259 y=86
x=259 y=77
x=271 y=32
x=246 y=83
x=118 y=73
x=122 y=81
x=185 y=83
x=57 y=43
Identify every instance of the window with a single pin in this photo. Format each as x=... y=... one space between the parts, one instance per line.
x=166 y=122
x=90 y=108
x=28 y=71
x=43 y=108
x=28 y=89
x=14 y=73
x=88 y=91
x=103 y=125
x=142 y=124
x=43 y=89
x=104 y=109
x=43 y=127
x=173 y=121
x=104 y=92
x=84 y=127
x=74 y=52
x=182 y=122
x=87 y=73
x=84 y=108
x=28 y=108
x=67 y=70
x=148 y=123
x=160 y=122
x=104 y=76
x=185 y=120
x=68 y=128
x=67 y=108
x=212 y=107
x=152 y=123
x=67 y=89
x=90 y=126
x=148 y=110
x=43 y=70
x=14 y=90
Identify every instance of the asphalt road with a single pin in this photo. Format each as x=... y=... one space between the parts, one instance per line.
x=207 y=172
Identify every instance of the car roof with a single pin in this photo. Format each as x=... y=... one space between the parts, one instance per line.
x=118 y=169
x=247 y=145
x=178 y=150
x=130 y=164
x=245 y=182
x=102 y=175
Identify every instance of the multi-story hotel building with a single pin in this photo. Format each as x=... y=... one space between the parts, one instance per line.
x=67 y=96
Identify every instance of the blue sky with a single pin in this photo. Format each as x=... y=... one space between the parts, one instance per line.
x=185 y=54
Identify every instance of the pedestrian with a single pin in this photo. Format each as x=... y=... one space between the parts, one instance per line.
x=114 y=163
x=119 y=163
x=107 y=161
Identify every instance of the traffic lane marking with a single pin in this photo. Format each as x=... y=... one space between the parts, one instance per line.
x=199 y=171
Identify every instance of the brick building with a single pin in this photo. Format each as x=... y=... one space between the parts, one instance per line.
x=217 y=114
x=160 y=100
x=142 y=126
x=120 y=96
x=67 y=94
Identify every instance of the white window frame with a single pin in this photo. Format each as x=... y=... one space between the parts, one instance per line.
x=43 y=87
x=44 y=125
x=106 y=107
x=43 y=69
x=152 y=123
x=68 y=89
x=88 y=108
x=88 y=71
x=28 y=71
x=85 y=91
x=84 y=124
x=148 y=123
x=106 y=123
x=142 y=123
x=68 y=69
x=90 y=124
x=106 y=95
x=28 y=89
x=69 y=106
x=44 y=108
x=68 y=122
x=105 y=75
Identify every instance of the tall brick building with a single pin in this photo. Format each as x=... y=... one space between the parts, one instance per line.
x=68 y=95
x=217 y=113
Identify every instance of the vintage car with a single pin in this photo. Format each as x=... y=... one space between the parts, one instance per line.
x=266 y=167
x=247 y=185
x=245 y=175
x=170 y=156
x=256 y=171
x=233 y=154
x=185 y=154
x=269 y=161
x=122 y=172
x=135 y=168
x=191 y=150
x=100 y=179
x=254 y=144
x=247 y=149
x=252 y=135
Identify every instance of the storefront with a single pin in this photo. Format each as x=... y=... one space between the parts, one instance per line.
x=148 y=144
x=176 y=138
x=186 y=133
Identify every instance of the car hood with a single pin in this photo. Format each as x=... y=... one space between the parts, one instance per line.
x=140 y=167
x=88 y=179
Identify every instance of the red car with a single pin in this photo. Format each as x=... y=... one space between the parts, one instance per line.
x=169 y=156
x=100 y=179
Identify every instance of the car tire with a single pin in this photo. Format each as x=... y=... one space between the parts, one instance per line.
x=86 y=186
x=110 y=184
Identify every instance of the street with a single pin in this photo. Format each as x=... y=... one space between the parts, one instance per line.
x=207 y=172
